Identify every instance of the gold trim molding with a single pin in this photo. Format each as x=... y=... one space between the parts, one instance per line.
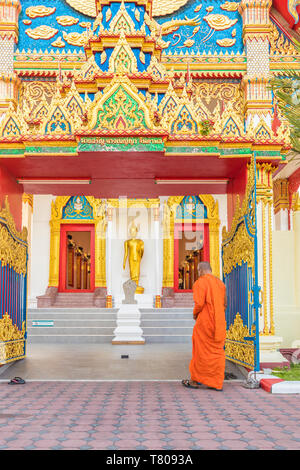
x=213 y=221
x=99 y=221
x=13 y=244
x=11 y=340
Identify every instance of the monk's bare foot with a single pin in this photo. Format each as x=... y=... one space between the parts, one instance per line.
x=190 y=384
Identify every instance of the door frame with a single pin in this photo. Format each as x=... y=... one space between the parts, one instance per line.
x=64 y=228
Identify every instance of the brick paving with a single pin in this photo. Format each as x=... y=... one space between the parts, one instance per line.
x=145 y=415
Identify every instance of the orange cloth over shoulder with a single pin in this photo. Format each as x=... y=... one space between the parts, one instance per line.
x=208 y=361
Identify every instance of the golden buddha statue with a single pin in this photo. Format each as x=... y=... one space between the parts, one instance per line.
x=134 y=250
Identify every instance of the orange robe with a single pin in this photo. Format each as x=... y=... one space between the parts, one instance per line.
x=208 y=360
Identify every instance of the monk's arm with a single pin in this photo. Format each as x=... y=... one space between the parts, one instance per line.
x=220 y=322
x=199 y=294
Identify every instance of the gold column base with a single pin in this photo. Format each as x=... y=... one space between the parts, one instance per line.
x=108 y=302
x=157 y=301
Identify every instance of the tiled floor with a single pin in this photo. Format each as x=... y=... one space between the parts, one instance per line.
x=145 y=415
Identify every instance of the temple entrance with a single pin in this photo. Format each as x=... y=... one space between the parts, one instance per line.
x=77 y=258
x=191 y=246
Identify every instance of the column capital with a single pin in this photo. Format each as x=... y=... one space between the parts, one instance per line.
x=264 y=182
x=9 y=19
x=281 y=194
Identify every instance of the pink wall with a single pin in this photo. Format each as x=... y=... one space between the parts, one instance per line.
x=236 y=186
x=9 y=187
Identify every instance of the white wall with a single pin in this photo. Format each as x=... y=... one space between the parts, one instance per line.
x=286 y=285
x=40 y=247
x=222 y=201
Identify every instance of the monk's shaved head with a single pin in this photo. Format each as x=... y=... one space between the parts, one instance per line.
x=204 y=268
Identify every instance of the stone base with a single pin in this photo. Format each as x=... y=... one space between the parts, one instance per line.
x=128 y=342
x=270 y=355
x=99 y=299
x=128 y=329
x=48 y=299
x=143 y=301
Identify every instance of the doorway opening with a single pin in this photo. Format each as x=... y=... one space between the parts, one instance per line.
x=77 y=258
x=191 y=246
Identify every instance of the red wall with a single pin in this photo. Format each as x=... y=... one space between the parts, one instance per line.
x=9 y=187
x=236 y=186
x=282 y=7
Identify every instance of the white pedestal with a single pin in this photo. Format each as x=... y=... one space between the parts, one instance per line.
x=270 y=355
x=143 y=300
x=128 y=329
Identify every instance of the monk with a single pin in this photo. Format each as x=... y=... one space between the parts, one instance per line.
x=207 y=366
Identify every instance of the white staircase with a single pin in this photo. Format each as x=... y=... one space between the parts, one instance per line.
x=167 y=325
x=71 y=325
x=97 y=325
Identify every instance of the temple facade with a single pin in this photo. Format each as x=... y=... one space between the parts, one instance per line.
x=137 y=139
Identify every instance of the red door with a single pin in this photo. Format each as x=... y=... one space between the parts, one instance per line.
x=80 y=232
x=186 y=234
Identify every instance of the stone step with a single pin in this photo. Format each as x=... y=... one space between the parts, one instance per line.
x=71 y=314
x=167 y=330
x=167 y=339
x=157 y=323
x=71 y=330
x=165 y=310
x=67 y=339
x=96 y=325
x=70 y=323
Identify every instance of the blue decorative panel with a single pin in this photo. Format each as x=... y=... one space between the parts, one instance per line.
x=191 y=208
x=198 y=27
x=214 y=28
x=26 y=41
x=77 y=208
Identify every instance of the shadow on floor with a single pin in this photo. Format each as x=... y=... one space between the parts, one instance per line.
x=104 y=362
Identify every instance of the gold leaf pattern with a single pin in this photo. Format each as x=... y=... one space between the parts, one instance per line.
x=75 y=39
x=230 y=6
x=219 y=22
x=39 y=11
x=226 y=42
x=58 y=43
x=108 y=15
x=137 y=14
x=41 y=32
x=159 y=7
x=67 y=20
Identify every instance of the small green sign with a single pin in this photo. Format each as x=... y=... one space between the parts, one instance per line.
x=123 y=144
x=42 y=323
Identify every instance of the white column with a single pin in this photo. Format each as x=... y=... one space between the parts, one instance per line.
x=158 y=260
x=27 y=211
x=40 y=248
x=282 y=220
x=269 y=342
x=109 y=234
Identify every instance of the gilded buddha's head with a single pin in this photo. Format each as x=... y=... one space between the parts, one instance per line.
x=133 y=230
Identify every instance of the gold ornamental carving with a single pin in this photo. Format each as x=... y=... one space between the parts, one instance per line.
x=12 y=340
x=13 y=245
x=240 y=250
x=213 y=222
x=100 y=223
x=159 y=7
x=8 y=331
x=237 y=349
